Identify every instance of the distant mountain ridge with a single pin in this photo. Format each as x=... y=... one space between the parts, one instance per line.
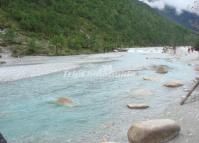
x=187 y=19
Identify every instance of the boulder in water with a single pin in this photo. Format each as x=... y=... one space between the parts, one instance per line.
x=150 y=78
x=137 y=106
x=142 y=92
x=162 y=69
x=108 y=142
x=2 y=139
x=153 y=131
x=174 y=84
x=64 y=102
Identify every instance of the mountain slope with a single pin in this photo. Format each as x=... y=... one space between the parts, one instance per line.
x=76 y=26
x=187 y=19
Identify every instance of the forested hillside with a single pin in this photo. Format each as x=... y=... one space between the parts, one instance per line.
x=60 y=27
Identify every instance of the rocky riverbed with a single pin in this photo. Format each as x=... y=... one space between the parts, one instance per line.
x=27 y=98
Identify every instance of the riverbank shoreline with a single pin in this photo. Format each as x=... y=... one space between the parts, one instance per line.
x=93 y=92
x=33 y=66
x=188 y=118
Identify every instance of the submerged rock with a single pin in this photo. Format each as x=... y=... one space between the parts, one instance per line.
x=143 y=92
x=108 y=142
x=162 y=69
x=2 y=62
x=2 y=139
x=137 y=106
x=153 y=131
x=64 y=102
x=150 y=78
x=174 y=84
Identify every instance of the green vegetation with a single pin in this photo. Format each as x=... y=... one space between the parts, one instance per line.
x=196 y=44
x=61 y=27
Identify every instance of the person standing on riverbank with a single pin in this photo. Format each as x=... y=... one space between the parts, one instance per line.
x=174 y=50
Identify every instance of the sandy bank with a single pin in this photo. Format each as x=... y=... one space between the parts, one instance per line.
x=31 y=66
x=188 y=117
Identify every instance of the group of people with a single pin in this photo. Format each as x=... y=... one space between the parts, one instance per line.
x=191 y=50
x=169 y=49
x=174 y=50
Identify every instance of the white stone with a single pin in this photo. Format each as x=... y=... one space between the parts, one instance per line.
x=174 y=83
x=137 y=106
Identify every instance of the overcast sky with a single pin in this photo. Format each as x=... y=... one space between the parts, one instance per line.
x=188 y=5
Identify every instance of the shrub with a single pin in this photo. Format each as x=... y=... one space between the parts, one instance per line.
x=10 y=36
x=33 y=47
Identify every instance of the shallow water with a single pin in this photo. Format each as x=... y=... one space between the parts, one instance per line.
x=27 y=115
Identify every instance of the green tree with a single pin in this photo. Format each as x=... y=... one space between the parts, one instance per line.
x=33 y=47
x=58 y=42
x=196 y=45
x=10 y=36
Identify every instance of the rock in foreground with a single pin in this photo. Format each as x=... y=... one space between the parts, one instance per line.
x=174 y=83
x=2 y=139
x=153 y=131
x=137 y=106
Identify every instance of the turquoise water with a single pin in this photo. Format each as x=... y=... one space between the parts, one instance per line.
x=26 y=115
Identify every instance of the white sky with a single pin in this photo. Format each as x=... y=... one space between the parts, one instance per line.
x=188 y=5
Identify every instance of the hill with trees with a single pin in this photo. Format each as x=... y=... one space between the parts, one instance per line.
x=62 y=27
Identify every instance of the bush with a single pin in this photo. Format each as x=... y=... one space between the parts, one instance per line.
x=196 y=45
x=10 y=36
x=59 y=43
x=33 y=47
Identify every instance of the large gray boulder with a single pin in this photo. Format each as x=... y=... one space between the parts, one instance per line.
x=153 y=131
x=2 y=139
